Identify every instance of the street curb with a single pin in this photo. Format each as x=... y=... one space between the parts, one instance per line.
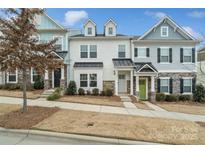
x=74 y=136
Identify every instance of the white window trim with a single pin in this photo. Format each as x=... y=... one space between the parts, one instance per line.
x=191 y=55
x=165 y=78
x=145 y=51
x=167 y=28
x=168 y=55
x=90 y=51
x=91 y=30
x=187 y=93
x=61 y=40
x=12 y=81
x=88 y=80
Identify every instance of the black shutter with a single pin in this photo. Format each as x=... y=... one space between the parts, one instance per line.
x=181 y=85
x=170 y=85
x=158 y=55
x=136 y=52
x=193 y=84
x=181 y=55
x=170 y=55
x=147 y=52
x=158 y=85
x=193 y=55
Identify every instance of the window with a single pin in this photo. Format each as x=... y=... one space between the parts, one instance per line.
x=187 y=85
x=164 y=85
x=187 y=55
x=164 y=57
x=142 y=52
x=83 y=80
x=12 y=77
x=89 y=31
x=121 y=51
x=34 y=75
x=164 y=31
x=84 y=51
x=59 y=43
x=110 y=30
x=93 y=80
x=93 y=51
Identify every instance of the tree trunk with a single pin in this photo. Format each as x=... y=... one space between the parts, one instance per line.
x=24 y=91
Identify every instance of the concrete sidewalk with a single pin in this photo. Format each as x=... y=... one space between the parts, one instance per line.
x=106 y=109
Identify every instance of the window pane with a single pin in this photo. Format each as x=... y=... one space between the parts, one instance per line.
x=187 y=58
x=83 y=80
x=121 y=54
x=89 y=30
x=93 y=48
x=83 y=83
x=93 y=54
x=93 y=83
x=110 y=30
x=121 y=48
x=164 y=85
x=187 y=89
x=142 y=52
x=164 y=59
x=164 y=89
x=84 y=55
x=12 y=78
x=93 y=76
x=164 y=55
x=83 y=76
x=83 y=48
x=187 y=85
x=187 y=54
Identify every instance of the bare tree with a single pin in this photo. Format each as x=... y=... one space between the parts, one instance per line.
x=19 y=49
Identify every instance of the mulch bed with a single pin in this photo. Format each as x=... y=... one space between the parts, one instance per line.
x=18 y=120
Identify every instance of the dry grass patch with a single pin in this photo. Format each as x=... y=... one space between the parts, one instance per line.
x=184 y=107
x=18 y=120
x=18 y=93
x=6 y=108
x=96 y=100
x=139 y=104
x=122 y=126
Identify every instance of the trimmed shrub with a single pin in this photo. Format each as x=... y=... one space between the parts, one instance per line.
x=53 y=96
x=81 y=91
x=160 y=97
x=184 y=97
x=11 y=86
x=109 y=92
x=95 y=91
x=171 y=98
x=71 y=90
x=58 y=90
x=102 y=93
x=199 y=93
x=39 y=83
x=88 y=92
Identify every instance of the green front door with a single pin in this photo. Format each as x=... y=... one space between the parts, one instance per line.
x=142 y=89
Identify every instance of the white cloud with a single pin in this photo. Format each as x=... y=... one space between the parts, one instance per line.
x=197 y=14
x=193 y=33
x=157 y=15
x=73 y=17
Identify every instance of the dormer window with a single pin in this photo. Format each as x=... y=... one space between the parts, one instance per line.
x=110 y=30
x=89 y=31
x=164 y=31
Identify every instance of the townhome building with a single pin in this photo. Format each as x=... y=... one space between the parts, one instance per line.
x=161 y=60
x=201 y=66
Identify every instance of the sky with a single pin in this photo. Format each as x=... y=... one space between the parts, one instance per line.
x=131 y=21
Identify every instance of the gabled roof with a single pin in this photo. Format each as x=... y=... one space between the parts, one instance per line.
x=89 y=20
x=144 y=66
x=173 y=24
x=110 y=20
x=53 y=21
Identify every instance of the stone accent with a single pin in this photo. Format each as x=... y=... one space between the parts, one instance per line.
x=109 y=85
x=152 y=97
x=47 y=84
x=62 y=83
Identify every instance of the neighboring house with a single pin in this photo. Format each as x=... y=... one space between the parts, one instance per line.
x=162 y=60
x=201 y=66
x=48 y=29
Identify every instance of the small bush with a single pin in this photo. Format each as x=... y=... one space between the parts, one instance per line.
x=88 y=92
x=184 y=97
x=171 y=98
x=199 y=93
x=102 y=93
x=109 y=92
x=95 y=91
x=160 y=97
x=53 y=96
x=58 y=90
x=71 y=90
x=39 y=83
x=11 y=86
x=81 y=91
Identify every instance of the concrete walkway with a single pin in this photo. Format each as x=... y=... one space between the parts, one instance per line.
x=127 y=102
x=106 y=109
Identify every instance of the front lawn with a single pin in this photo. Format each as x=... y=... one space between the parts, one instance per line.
x=125 y=127
x=95 y=100
x=6 y=108
x=18 y=93
x=184 y=107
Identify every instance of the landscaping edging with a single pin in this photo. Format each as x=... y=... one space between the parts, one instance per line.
x=74 y=136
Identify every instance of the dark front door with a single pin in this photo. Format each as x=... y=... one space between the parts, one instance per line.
x=57 y=77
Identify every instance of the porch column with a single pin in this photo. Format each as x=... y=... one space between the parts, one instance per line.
x=116 y=82
x=137 y=86
x=153 y=93
x=62 y=81
x=131 y=82
x=46 y=81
